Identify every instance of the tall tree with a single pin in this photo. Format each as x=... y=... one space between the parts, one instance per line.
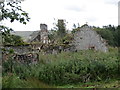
x=61 y=28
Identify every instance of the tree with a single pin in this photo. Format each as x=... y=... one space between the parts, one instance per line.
x=61 y=28
x=13 y=40
x=109 y=33
x=67 y=39
x=75 y=28
x=11 y=10
x=52 y=35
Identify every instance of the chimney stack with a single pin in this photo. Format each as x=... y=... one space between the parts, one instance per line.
x=43 y=26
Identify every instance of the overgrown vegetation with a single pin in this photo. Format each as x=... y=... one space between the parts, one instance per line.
x=11 y=10
x=67 y=68
x=110 y=34
x=13 y=81
x=83 y=66
x=13 y=40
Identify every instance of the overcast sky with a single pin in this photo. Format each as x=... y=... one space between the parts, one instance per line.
x=95 y=12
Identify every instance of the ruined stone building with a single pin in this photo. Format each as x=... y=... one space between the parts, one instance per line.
x=86 y=38
x=40 y=36
x=28 y=53
x=34 y=36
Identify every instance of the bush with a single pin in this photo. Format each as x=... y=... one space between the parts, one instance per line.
x=83 y=66
x=72 y=67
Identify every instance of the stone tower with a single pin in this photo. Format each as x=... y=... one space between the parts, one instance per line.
x=44 y=33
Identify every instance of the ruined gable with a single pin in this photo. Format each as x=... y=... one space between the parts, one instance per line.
x=86 y=38
x=41 y=35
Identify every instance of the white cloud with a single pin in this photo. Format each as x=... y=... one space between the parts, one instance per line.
x=95 y=12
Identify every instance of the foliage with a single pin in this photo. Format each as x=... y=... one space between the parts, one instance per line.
x=13 y=40
x=107 y=35
x=101 y=84
x=66 y=40
x=75 y=29
x=59 y=30
x=59 y=33
x=118 y=36
x=11 y=10
x=85 y=66
x=60 y=36
x=13 y=81
x=52 y=35
x=70 y=67
x=110 y=34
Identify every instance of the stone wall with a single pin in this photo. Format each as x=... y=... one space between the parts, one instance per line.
x=86 y=38
x=21 y=54
x=28 y=58
x=19 y=49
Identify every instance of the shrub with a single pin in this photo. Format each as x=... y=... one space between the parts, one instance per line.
x=83 y=66
x=71 y=67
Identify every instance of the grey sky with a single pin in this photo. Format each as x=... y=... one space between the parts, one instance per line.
x=95 y=12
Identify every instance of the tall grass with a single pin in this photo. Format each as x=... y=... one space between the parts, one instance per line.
x=71 y=67
x=13 y=81
x=82 y=66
